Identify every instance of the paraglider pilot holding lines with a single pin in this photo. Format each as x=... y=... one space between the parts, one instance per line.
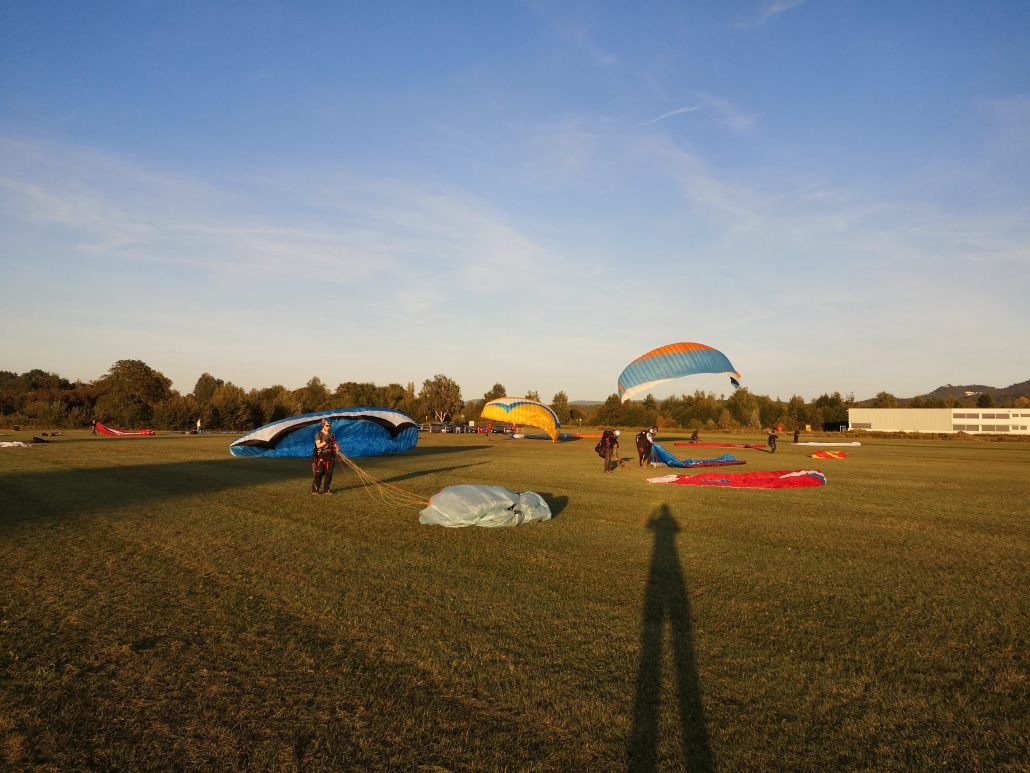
x=324 y=458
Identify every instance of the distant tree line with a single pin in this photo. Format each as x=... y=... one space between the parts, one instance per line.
x=132 y=395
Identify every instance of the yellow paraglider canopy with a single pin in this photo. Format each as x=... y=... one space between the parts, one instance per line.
x=519 y=410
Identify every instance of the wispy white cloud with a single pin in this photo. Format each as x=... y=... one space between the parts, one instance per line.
x=671 y=113
x=734 y=118
x=226 y=271
x=770 y=10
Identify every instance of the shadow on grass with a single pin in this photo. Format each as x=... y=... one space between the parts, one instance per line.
x=434 y=450
x=341 y=472
x=666 y=598
x=555 y=502
x=25 y=496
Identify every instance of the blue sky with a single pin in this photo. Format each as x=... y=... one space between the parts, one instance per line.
x=835 y=194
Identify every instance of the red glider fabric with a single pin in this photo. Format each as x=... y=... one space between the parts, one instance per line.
x=829 y=455
x=763 y=479
x=723 y=445
x=120 y=433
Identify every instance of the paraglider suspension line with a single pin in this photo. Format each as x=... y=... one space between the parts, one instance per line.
x=382 y=491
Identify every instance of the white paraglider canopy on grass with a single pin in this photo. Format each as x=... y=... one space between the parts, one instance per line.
x=478 y=505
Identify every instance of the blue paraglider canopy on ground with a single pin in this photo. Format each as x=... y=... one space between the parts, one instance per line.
x=359 y=432
x=661 y=456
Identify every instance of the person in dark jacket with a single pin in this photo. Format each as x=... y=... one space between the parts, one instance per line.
x=324 y=458
x=645 y=441
x=608 y=446
x=696 y=437
x=772 y=441
x=797 y=435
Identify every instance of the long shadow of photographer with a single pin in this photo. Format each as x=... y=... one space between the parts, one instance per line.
x=666 y=599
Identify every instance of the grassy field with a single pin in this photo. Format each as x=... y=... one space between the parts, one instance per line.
x=166 y=607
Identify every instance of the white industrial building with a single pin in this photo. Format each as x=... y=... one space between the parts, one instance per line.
x=973 y=420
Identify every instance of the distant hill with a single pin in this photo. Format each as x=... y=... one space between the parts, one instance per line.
x=1007 y=393
x=965 y=392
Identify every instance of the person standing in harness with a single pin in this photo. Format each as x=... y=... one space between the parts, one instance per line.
x=609 y=445
x=323 y=458
x=645 y=441
x=772 y=441
x=797 y=435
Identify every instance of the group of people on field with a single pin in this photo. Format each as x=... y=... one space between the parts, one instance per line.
x=608 y=448
x=323 y=459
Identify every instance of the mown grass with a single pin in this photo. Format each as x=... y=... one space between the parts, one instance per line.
x=165 y=607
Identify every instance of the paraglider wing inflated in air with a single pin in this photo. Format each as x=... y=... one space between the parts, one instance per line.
x=359 y=432
x=519 y=410
x=671 y=362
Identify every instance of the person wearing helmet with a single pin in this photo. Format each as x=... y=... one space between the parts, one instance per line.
x=324 y=458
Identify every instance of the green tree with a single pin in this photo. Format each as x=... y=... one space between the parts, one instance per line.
x=985 y=401
x=315 y=396
x=441 y=396
x=128 y=393
x=610 y=414
x=834 y=408
x=560 y=406
x=796 y=413
x=274 y=403
x=885 y=400
x=496 y=391
x=177 y=413
x=205 y=387
x=533 y=395
x=230 y=408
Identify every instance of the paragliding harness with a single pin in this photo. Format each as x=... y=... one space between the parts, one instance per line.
x=644 y=446
x=326 y=455
x=607 y=445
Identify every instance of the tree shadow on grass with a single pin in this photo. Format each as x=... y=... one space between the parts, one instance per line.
x=666 y=599
x=26 y=496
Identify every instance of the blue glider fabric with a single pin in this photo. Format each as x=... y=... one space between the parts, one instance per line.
x=660 y=455
x=671 y=362
x=359 y=432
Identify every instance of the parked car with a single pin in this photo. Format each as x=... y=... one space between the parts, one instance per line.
x=437 y=427
x=425 y=428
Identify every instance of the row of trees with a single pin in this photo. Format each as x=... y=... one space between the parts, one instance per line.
x=984 y=400
x=133 y=395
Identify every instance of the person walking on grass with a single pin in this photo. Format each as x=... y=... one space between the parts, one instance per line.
x=772 y=441
x=797 y=435
x=324 y=458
